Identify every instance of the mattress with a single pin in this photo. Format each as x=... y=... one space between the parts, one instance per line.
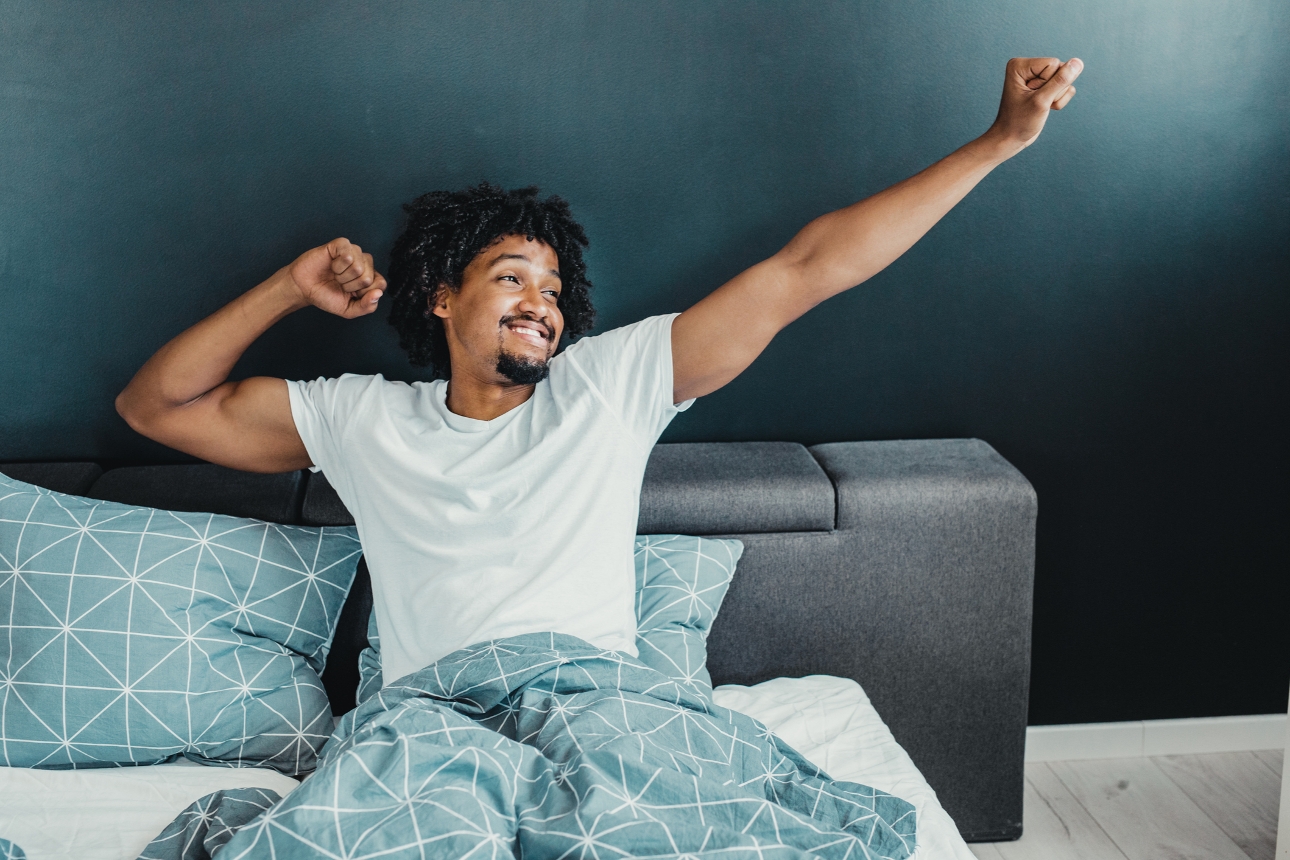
x=831 y=722
x=112 y=814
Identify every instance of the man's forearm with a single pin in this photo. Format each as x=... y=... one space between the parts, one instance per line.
x=839 y=250
x=203 y=356
x=844 y=248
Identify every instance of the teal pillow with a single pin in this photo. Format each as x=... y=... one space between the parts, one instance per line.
x=131 y=635
x=680 y=583
x=369 y=663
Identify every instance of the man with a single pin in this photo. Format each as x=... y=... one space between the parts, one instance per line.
x=504 y=500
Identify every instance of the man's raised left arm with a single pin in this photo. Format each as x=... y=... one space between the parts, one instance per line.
x=717 y=338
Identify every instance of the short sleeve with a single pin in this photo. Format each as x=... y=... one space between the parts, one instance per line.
x=631 y=369
x=323 y=411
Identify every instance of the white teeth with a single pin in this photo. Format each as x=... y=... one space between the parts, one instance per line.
x=528 y=332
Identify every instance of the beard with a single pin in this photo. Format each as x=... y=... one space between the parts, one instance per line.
x=520 y=369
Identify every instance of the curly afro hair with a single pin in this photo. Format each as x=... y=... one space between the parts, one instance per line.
x=448 y=229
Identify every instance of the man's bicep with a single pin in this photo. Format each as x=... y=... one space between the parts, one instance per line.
x=244 y=425
x=716 y=339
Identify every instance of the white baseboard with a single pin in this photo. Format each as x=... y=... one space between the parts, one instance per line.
x=1155 y=737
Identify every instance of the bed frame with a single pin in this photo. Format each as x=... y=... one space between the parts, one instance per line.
x=907 y=566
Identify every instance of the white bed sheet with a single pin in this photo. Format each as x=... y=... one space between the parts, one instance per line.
x=831 y=722
x=112 y=814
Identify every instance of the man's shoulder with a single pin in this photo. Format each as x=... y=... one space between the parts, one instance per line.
x=621 y=338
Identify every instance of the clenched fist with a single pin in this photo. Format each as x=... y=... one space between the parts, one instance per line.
x=1032 y=87
x=339 y=278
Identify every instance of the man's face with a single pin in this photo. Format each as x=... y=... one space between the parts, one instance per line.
x=503 y=325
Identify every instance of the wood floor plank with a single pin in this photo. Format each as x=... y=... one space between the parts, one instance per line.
x=1055 y=826
x=985 y=851
x=1236 y=790
x=1272 y=758
x=1144 y=812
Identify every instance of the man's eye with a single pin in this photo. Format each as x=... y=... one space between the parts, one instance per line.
x=512 y=277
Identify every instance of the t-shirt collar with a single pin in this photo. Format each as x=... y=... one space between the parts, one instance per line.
x=464 y=424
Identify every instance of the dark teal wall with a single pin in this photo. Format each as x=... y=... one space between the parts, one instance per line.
x=1108 y=310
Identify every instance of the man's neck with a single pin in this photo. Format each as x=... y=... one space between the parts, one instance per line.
x=484 y=400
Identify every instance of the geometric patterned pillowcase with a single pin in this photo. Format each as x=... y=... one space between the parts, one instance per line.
x=680 y=583
x=131 y=635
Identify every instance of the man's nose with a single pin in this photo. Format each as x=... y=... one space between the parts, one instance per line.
x=531 y=302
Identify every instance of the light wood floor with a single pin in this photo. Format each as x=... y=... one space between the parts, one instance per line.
x=1218 y=807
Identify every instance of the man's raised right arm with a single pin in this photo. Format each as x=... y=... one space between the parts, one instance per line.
x=182 y=397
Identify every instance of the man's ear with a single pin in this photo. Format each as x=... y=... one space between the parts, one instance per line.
x=439 y=302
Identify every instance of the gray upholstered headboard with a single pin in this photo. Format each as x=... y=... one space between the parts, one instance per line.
x=907 y=566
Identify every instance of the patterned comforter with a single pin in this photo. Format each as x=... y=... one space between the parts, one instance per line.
x=542 y=746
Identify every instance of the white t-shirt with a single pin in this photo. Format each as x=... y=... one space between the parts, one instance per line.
x=475 y=530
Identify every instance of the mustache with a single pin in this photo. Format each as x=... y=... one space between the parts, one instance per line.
x=547 y=332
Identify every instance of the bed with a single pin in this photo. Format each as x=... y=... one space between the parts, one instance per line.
x=113 y=814
x=905 y=567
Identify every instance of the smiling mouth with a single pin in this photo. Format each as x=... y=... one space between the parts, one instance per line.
x=533 y=332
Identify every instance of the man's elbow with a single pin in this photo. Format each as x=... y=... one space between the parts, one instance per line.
x=125 y=408
x=131 y=407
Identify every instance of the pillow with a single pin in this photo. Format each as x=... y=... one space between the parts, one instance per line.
x=131 y=635
x=680 y=583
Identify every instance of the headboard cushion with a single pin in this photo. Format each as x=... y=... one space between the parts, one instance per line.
x=322 y=506
x=710 y=488
x=71 y=478
x=205 y=487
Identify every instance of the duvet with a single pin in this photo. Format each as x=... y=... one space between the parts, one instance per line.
x=542 y=746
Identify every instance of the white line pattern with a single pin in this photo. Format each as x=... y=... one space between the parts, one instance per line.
x=543 y=746
x=131 y=635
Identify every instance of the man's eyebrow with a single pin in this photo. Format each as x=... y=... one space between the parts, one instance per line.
x=501 y=257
